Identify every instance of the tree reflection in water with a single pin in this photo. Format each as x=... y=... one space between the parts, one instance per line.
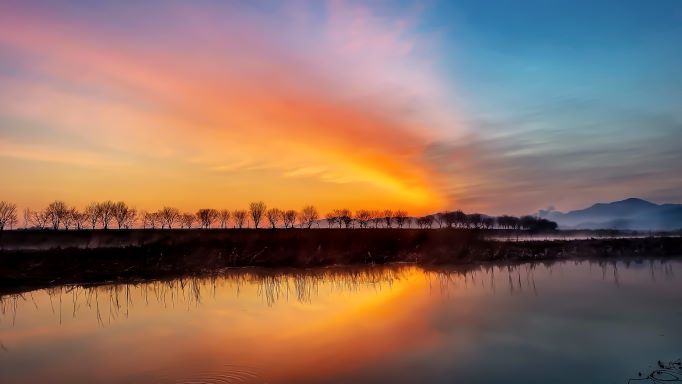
x=112 y=301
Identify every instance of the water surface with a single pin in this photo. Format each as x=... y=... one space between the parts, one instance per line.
x=568 y=322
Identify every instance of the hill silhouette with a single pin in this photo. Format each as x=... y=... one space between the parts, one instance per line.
x=632 y=213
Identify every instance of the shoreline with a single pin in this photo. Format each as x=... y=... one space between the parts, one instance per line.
x=138 y=255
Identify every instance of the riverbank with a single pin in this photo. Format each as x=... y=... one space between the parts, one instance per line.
x=47 y=258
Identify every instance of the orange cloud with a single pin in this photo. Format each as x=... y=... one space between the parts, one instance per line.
x=234 y=101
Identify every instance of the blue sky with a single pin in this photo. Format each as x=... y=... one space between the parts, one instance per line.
x=582 y=95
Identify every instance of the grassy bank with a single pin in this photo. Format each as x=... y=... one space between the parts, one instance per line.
x=44 y=258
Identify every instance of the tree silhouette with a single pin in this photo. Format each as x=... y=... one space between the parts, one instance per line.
x=377 y=218
x=332 y=219
x=506 y=222
x=527 y=222
x=460 y=219
x=388 y=218
x=400 y=218
x=186 y=220
x=151 y=220
x=488 y=222
x=439 y=219
x=168 y=216
x=274 y=215
x=106 y=213
x=147 y=220
x=363 y=217
x=8 y=214
x=58 y=216
x=308 y=216
x=289 y=218
x=257 y=209
x=69 y=218
x=425 y=221
x=239 y=217
x=345 y=217
x=92 y=213
x=79 y=218
x=224 y=218
x=475 y=220
x=40 y=219
x=121 y=213
x=449 y=219
x=206 y=217
x=55 y=213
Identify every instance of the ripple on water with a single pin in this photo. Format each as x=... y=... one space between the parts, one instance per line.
x=227 y=374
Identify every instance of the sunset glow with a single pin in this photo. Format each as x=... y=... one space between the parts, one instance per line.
x=353 y=104
x=215 y=108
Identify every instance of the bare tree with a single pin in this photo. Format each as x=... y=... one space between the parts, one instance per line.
x=308 y=216
x=289 y=218
x=439 y=218
x=79 y=218
x=186 y=220
x=168 y=217
x=55 y=212
x=342 y=216
x=92 y=213
x=130 y=218
x=41 y=219
x=274 y=215
x=388 y=218
x=146 y=219
x=206 y=217
x=28 y=218
x=13 y=221
x=400 y=218
x=450 y=219
x=121 y=211
x=257 y=209
x=8 y=215
x=150 y=219
x=475 y=220
x=377 y=218
x=460 y=218
x=224 y=218
x=363 y=217
x=69 y=218
x=106 y=213
x=425 y=221
x=332 y=219
x=239 y=217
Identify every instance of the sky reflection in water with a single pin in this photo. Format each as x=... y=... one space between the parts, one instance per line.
x=563 y=323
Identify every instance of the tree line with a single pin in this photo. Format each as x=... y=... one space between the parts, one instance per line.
x=109 y=214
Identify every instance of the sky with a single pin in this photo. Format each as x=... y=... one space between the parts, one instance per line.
x=487 y=106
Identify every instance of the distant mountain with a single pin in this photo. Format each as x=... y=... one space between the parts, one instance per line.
x=625 y=214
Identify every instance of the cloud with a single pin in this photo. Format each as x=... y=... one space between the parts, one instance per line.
x=566 y=152
x=225 y=86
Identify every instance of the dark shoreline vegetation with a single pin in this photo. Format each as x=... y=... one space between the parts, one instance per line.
x=59 y=216
x=31 y=259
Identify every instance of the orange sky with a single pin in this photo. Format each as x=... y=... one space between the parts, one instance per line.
x=213 y=112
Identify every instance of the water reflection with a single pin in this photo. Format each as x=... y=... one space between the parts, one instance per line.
x=395 y=323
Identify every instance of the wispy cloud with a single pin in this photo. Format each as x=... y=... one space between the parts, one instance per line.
x=222 y=87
